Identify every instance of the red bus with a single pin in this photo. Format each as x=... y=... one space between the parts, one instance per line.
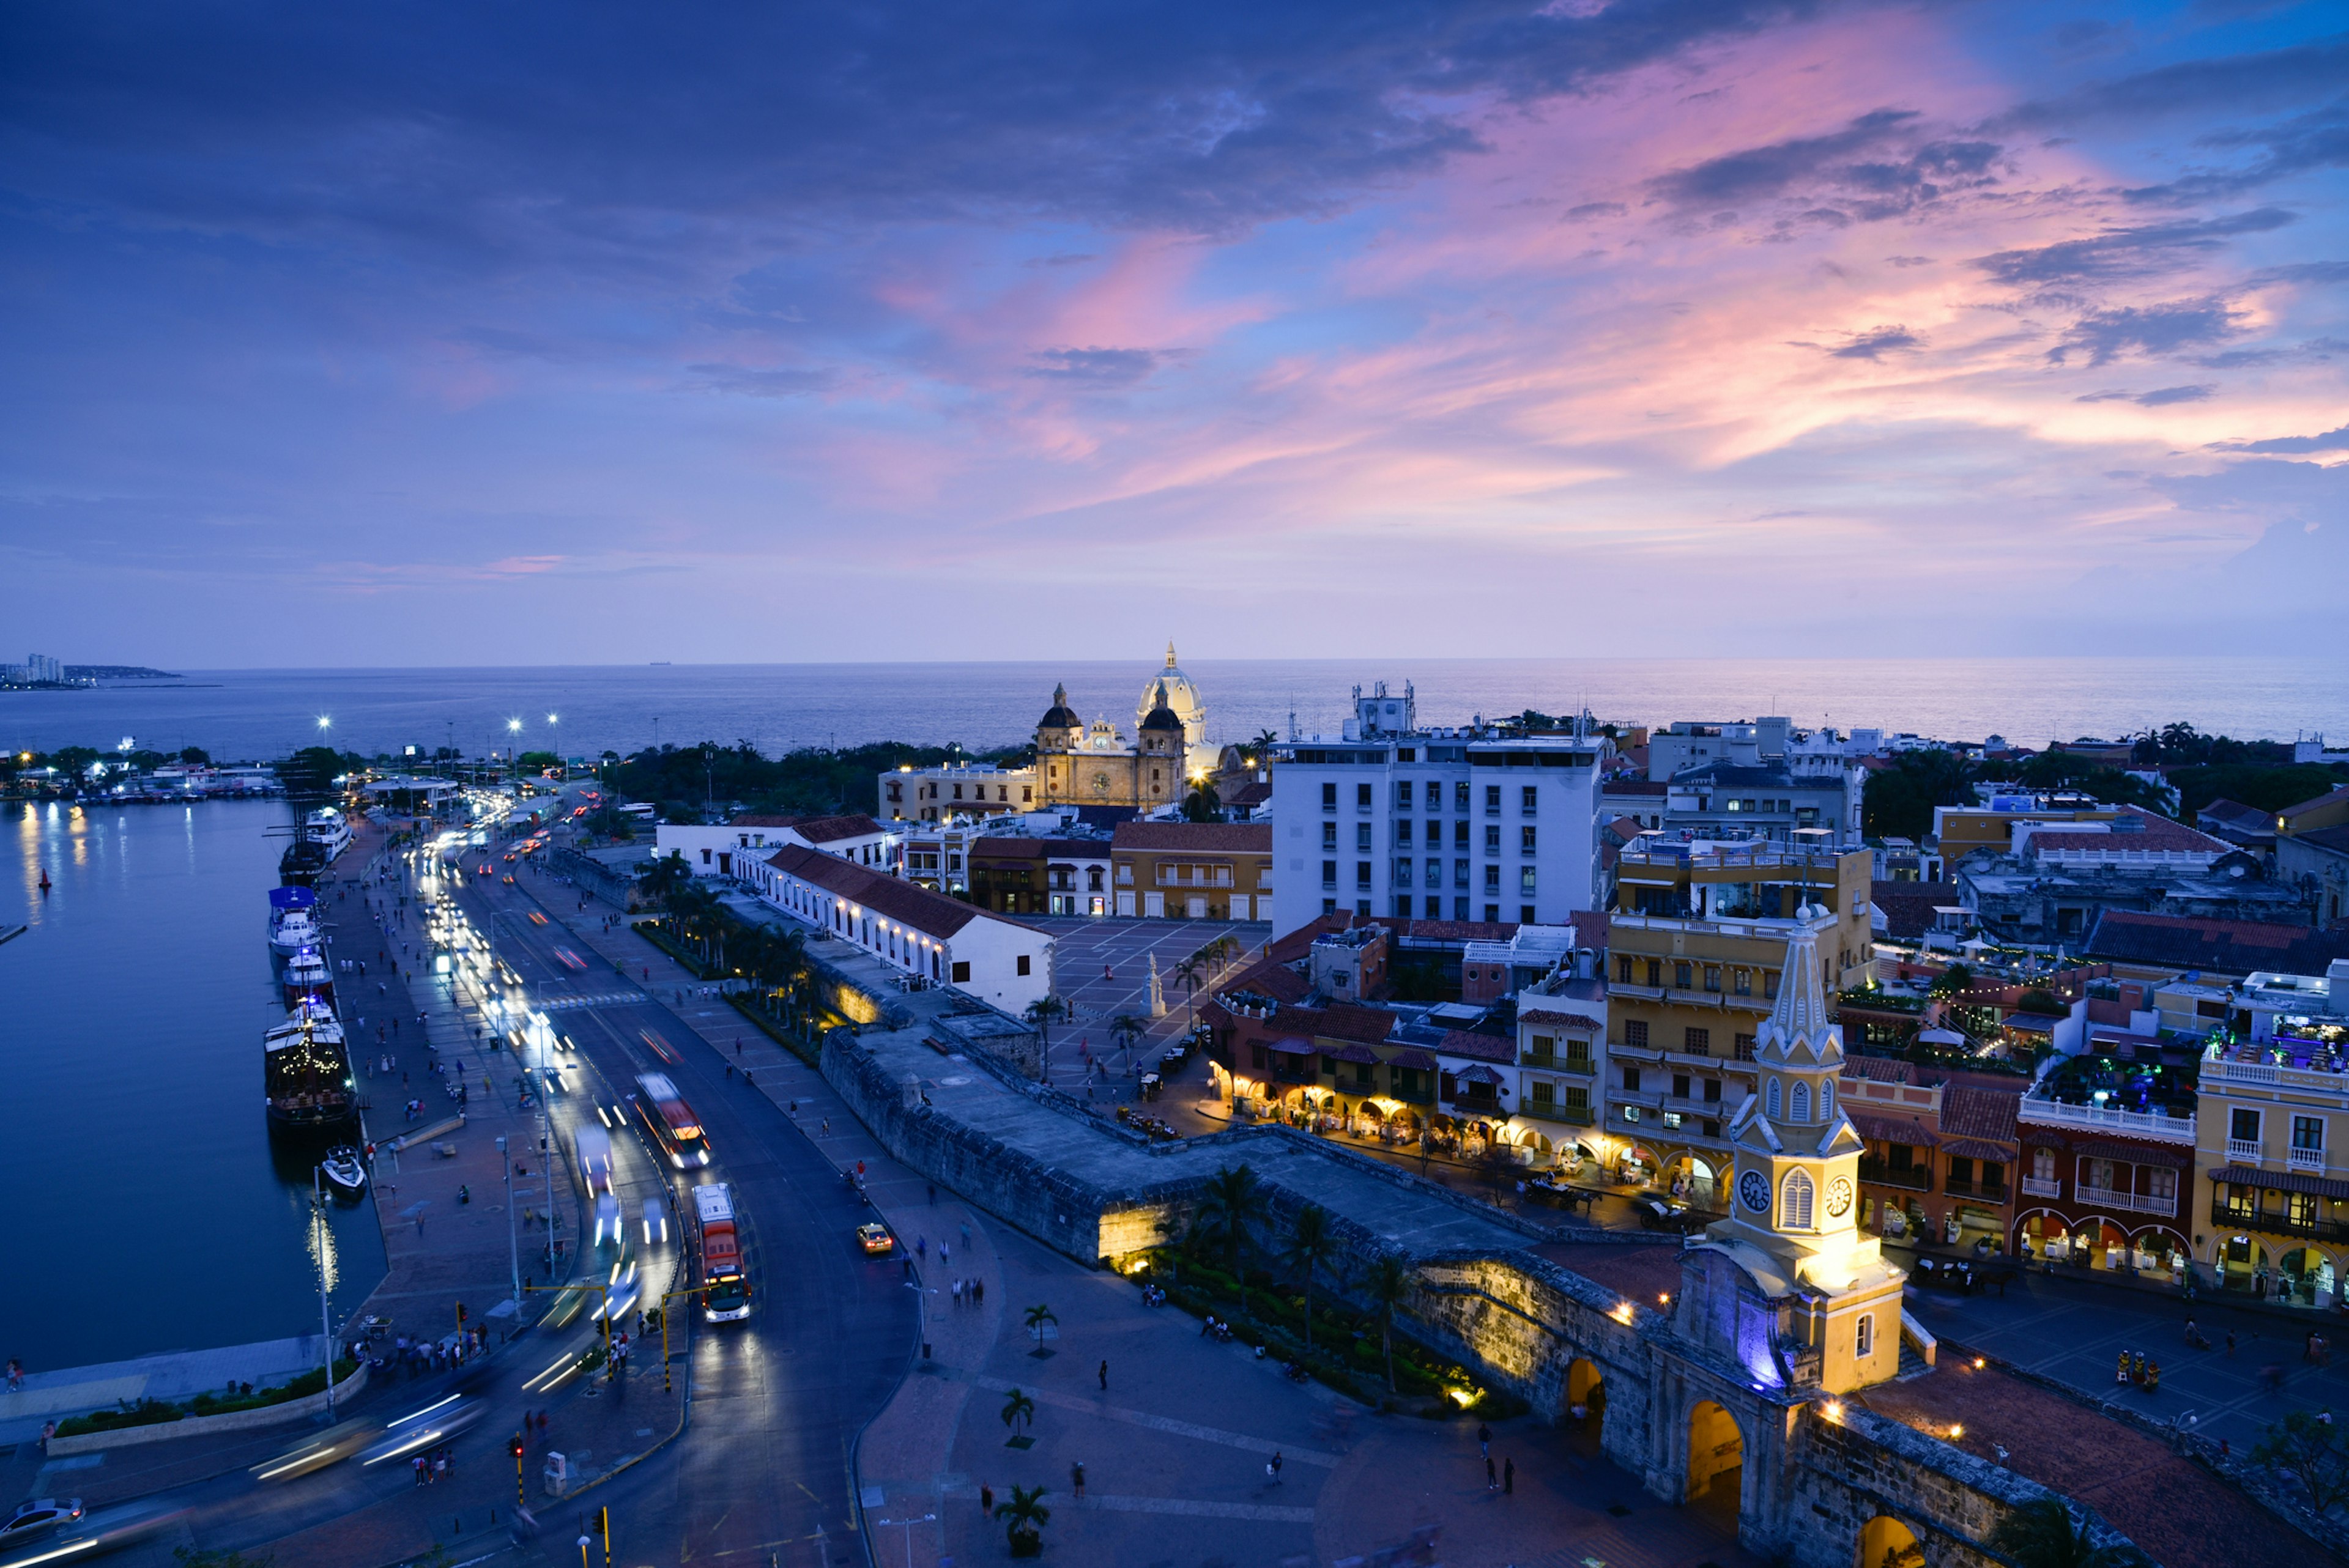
x=725 y=1288
x=670 y=1120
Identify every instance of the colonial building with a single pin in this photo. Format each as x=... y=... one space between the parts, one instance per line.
x=2057 y=880
x=1193 y=870
x=2312 y=852
x=956 y=789
x=712 y=851
x=932 y=939
x=1092 y=764
x=2273 y=1156
x=2108 y=1150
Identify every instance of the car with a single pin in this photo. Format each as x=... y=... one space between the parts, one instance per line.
x=510 y=882
x=877 y=1239
x=37 y=1518
x=568 y=959
x=536 y=918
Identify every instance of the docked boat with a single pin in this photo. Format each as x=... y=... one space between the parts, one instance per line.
x=345 y=1171
x=328 y=826
x=307 y=979
x=307 y=1080
x=294 y=921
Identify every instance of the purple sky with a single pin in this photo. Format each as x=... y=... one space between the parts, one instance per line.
x=531 y=334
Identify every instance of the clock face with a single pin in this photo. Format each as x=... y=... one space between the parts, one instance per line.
x=1839 y=1197
x=1753 y=1192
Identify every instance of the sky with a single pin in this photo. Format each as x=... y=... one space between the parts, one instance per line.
x=538 y=334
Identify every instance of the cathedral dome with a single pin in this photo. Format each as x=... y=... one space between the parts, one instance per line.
x=1060 y=715
x=1173 y=691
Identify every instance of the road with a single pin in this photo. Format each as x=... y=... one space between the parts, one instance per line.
x=763 y=1472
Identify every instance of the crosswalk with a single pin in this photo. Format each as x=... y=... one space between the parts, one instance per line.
x=602 y=999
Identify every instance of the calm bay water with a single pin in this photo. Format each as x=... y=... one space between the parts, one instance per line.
x=147 y=1208
x=257 y=714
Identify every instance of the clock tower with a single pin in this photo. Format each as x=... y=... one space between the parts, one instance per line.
x=1793 y=1229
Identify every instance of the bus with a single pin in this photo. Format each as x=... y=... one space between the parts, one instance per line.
x=670 y=1120
x=725 y=1288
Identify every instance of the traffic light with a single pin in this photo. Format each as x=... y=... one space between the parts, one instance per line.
x=461 y=1314
x=514 y=1445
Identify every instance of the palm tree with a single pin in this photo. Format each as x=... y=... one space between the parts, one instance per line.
x=1038 y=1316
x=2043 y=1533
x=1020 y=1408
x=1228 y=1204
x=1040 y=1013
x=1203 y=804
x=1261 y=747
x=1025 y=1516
x=1191 y=974
x=1309 y=1242
x=664 y=877
x=1389 y=1285
x=1125 y=1026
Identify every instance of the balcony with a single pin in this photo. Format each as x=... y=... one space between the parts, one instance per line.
x=1982 y=1191
x=1550 y=1110
x=2244 y=1150
x=2130 y=1202
x=2043 y=1187
x=2042 y=1112
x=2275 y=1222
x=1916 y=1177
x=2304 y=1158
x=1413 y=1096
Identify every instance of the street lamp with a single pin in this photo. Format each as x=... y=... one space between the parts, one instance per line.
x=907 y=1525
x=552 y=720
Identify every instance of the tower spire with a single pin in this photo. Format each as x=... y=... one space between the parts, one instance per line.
x=1801 y=1013
x=1170 y=652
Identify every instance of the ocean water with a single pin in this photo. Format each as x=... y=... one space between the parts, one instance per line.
x=148 y=1209
x=260 y=714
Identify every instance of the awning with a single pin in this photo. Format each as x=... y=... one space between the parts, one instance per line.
x=1418 y=1060
x=1976 y=1149
x=1886 y=1130
x=1940 y=1037
x=1480 y=1074
x=1293 y=1047
x=1349 y=1053
x=2282 y=1181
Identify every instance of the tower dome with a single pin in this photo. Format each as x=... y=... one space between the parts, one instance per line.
x=1060 y=715
x=1159 y=715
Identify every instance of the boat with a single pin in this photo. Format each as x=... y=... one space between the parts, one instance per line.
x=345 y=1171
x=326 y=826
x=294 y=921
x=318 y=838
x=306 y=979
x=308 y=1082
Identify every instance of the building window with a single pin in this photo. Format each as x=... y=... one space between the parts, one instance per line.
x=1863 y=1338
x=1492 y=879
x=962 y=972
x=1362 y=874
x=1744 y=1044
x=1656 y=972
x=1635 y=1033
x=1403 y=793
x=1770 y=983
x=1802 y=1102
x=1712 y=977
x=1402 y=831
x=1525 y=882
x=1697 y=1042
x=1742 y=981
x=1774 y=1099
x=1402 y=873
x=2308 y=1132
x=1623 y=967
x=1330 y=836
x=1329 y=797
x=2042 y=1165
x=1795 y=1201
x=1826 y=1100
x=1681 y=975
x=1023 y=963
x=1403 y=906
x=1631 y=1079
x=2244 y=1127
x=1361 y=838
x=1712 y=1090
x=1362 y=797
x=1679 y=1085
x=1492 y=799
x=1460 y=835
x=1329 y=874
x=1530 y=795
x=1492 y=839
x=1526 y=840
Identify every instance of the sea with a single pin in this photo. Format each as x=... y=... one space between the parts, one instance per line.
x=147 y=1208
x=253 y=715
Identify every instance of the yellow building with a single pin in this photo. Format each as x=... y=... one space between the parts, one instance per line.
x=1960 y=831
x=2270 y=1118
x=1787 y=1284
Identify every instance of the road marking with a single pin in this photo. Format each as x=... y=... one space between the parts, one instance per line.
x=1192 y=1508
x=1166 y=1424
x=602 y=999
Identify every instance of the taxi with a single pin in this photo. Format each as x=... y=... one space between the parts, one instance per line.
x=876 y=1239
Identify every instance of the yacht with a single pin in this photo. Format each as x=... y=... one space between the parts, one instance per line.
x=345 y=1172
x=326 y=826
x=294 y=921
x=307 y=979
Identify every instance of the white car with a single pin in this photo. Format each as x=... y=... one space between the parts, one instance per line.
x=36 y=1519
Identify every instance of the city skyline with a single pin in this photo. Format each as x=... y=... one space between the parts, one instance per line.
x=2023 y=326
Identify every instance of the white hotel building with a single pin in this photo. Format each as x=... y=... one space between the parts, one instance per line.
x=1469 y=824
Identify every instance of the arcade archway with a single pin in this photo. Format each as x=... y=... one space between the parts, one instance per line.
x=1886 y=1542
x=1716 y=1461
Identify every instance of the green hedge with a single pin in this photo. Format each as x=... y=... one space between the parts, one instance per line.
x=650 y=930
x=745 y=1003
x=155 y=1412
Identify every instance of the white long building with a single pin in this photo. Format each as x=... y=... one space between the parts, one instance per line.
x=1470 y=824
x=939 y=940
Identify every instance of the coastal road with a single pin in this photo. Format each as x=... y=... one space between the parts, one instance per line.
x=764 y=1472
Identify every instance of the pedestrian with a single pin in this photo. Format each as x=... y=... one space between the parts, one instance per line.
x=966 y=1234
x=827 y=1127
x=1491 y=1475
x=750 y=1078
x=730 y=1069
x=1484 y=1439
x=1508 y=1478
x=978 y=1288
x=985 y=1500
x=1276 y=1466
x=15 y=1375
x=1104 y=1376
x=1077 y=1477
x=2230 y=1343
x=921 y=1244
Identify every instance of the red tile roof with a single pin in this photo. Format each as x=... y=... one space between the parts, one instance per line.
x=909 y=904
x=2330 y=798
x=1196 y=838
x=1970 y=1112
x=1478 y=1047
x=814 y=830
x=2156 y=833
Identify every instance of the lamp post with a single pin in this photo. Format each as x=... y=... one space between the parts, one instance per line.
x=552 y=721
x=907 y=1526
x=513 y=1238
